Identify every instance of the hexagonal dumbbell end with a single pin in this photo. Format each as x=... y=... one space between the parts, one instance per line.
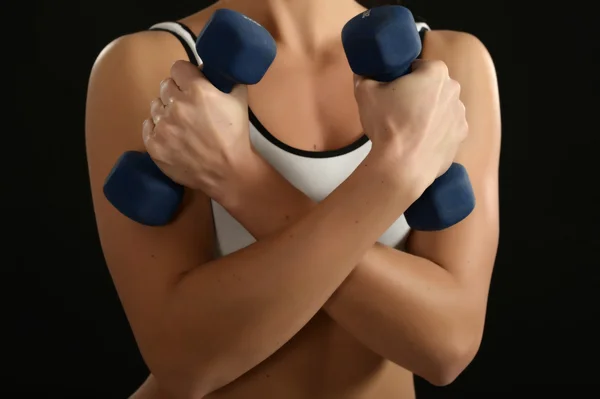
x=381 y=43
x=141 y=191
x=234 y=49
x=447 y=201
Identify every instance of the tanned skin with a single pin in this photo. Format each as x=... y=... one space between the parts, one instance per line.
x=321 y=309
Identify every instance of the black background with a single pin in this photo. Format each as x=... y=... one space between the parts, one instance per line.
x=63 y=327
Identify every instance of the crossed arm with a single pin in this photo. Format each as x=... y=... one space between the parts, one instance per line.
x=426 y=312
x=423 y=309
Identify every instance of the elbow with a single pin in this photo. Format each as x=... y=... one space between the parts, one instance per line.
x=451 y=358
x=176 y=374
x=176 y=380
x=180 y=383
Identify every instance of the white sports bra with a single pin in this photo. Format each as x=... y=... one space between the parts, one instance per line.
x=315 y=173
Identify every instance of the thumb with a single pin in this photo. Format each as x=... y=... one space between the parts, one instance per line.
x=184 y=73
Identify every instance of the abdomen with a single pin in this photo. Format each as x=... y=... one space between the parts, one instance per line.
x=322 y=362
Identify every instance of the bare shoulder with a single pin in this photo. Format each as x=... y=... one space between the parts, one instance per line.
x=142 y=57
x=124 y=80
x=143 y=261
x=466 y=56
x=470 y=64
x=136 y=58
x=197 y=20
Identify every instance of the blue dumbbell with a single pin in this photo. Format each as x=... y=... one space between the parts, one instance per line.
x=381 y=44
x=234 y=50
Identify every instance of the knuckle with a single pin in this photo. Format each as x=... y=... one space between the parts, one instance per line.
x=159 y=132
x=439 y=67
x=147 y=128
x=203 y=94
x=455 y=86
x=165 y=85
x=195 y=89
x=155 y=103
x=176 y=67
x=156 y=110
x=460 y=107
x=464 y=129
x=175 y=109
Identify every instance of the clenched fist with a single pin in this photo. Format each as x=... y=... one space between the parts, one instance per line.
x=198 y=135
x=419 y=116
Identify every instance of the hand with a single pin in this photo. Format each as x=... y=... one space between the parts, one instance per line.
x=418 y=117
x=198 y=135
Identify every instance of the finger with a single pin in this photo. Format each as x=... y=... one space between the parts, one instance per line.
x=153 y=146
x=152 y=149
x=147 y=131
x=184 y=73
x=157 y=110
x=455 y=87
x=169 y=91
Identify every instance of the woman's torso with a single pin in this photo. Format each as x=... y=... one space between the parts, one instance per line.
x=309 y=106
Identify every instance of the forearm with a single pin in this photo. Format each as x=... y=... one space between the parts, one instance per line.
x=265 y=202
x=404 y=307
x=230 y=314
x=409 y=310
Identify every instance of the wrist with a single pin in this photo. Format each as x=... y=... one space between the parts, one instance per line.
x=244 y=175
x=400 y=169
x=262 y=200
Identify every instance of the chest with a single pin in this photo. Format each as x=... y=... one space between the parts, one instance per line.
x=304 y=121
x=308 y=105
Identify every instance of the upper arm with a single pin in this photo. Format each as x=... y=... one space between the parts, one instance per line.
x=468 y=249
x=144 y=262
